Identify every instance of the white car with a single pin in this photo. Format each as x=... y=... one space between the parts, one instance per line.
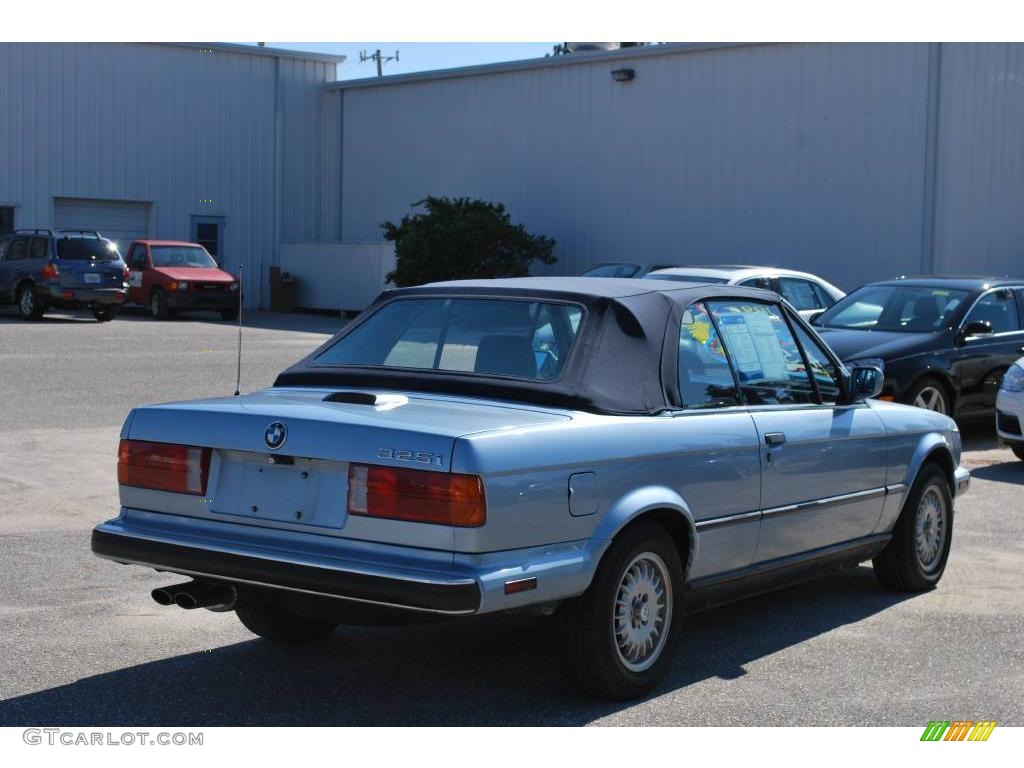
x=1010 y=409
x=808 y=293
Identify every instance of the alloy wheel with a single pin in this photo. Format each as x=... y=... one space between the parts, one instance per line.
x=933 y=399
x=642 y=613
x=930 y=528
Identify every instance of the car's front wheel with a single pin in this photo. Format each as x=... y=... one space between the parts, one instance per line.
x=1018 y=451
x=158 y=307
x=618 y=637
x=274 y=622
x=931 y=395
x=915 y=558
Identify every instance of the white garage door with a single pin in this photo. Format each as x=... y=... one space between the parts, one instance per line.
x=117 y=220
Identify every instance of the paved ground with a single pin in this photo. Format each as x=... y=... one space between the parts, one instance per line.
x=82 y=644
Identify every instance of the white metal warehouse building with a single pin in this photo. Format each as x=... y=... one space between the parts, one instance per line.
x=856 y=161
x=220 y=143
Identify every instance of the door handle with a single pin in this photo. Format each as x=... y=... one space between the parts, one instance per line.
x=775 y=438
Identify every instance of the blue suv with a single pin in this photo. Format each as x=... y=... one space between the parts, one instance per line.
x=68 y=269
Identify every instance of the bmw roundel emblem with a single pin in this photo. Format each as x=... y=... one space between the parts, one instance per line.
x=275 y=435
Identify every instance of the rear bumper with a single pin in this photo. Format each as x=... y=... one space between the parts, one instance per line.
x=330 y=566
x=202 y=299
x=452 y=597
x=79 y=297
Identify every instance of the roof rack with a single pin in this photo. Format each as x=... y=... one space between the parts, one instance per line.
x=92 y=232
x=30 y=231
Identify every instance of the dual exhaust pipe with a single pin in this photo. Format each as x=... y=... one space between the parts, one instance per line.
x=197 y=594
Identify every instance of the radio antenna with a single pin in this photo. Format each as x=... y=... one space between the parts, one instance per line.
x=238 y=370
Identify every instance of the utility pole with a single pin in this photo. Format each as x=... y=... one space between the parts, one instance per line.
x=379 y=58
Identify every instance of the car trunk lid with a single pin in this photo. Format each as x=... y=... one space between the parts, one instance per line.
x=303 y=482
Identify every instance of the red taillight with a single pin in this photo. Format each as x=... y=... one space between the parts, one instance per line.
x=416 y=495
x=127 y=272
x=163 y=466
x=49 y=271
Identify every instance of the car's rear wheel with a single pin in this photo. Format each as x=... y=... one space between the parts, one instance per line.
x=29 y=306
x=158 y=304
x=104 y=313
x=915 y=558
x=229 y=314
x=1018 y=451
x=932 y=395
x=618 y=637
x=274 y=622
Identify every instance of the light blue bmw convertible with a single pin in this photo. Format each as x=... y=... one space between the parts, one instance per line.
x=617 y=452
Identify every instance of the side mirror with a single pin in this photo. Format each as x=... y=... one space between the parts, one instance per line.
x=866 y=381
x=976 y=328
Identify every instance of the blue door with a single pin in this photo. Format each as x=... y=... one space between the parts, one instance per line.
x=823 y=462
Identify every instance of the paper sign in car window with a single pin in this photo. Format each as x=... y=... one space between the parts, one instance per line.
x=753 y=345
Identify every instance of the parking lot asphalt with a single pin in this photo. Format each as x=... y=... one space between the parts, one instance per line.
x=81 y=643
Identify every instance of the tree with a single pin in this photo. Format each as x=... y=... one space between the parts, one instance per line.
x=460 y=238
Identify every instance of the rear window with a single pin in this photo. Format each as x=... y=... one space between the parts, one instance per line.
x=687 y=278
x=87 y=249
x=495 y=337
x=612 y=270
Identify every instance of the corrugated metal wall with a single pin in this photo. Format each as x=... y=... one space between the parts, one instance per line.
x=191 y=132
x=979 y=223
x=811 y=156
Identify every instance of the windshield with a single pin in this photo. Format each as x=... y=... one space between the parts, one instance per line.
x=181 y=256
x=612 y=270
x=498 y=337
x=686 y=278
x=908 y=308
x=87 y=249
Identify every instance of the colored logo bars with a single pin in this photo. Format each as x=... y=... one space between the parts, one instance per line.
x=958 y=730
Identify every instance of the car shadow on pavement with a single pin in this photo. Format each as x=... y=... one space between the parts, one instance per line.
x=498 y=670
x=1005 y=472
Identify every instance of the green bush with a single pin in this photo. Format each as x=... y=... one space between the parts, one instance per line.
x=459 y=238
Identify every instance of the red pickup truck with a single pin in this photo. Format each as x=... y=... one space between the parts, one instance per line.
x=171 y=275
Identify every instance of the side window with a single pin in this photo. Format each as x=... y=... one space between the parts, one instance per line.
x=705 y=379
x=19 y=248
x=137 y=259
x=998 y=309
x=39 y=249
x=764 y=353
x=825 y=299
x=800 y=293
x=824 y=372
x=764 y=283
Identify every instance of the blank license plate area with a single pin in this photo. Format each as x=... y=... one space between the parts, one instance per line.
x=92 y=277
x=308 y=492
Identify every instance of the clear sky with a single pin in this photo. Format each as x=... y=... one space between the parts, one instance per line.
x=416 y=57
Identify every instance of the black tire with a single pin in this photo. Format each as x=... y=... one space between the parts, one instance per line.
x=273 y=622
x=900 y=566
x=229 y=314
x=104 y=313
x=1018 y=451
x=588 y=626
x=927 y=388
x=158 y=308
x=29 y=306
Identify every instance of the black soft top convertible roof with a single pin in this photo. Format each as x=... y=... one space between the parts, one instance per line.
x=623 y=361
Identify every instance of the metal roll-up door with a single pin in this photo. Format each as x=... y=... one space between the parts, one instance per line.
x=118 y=220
